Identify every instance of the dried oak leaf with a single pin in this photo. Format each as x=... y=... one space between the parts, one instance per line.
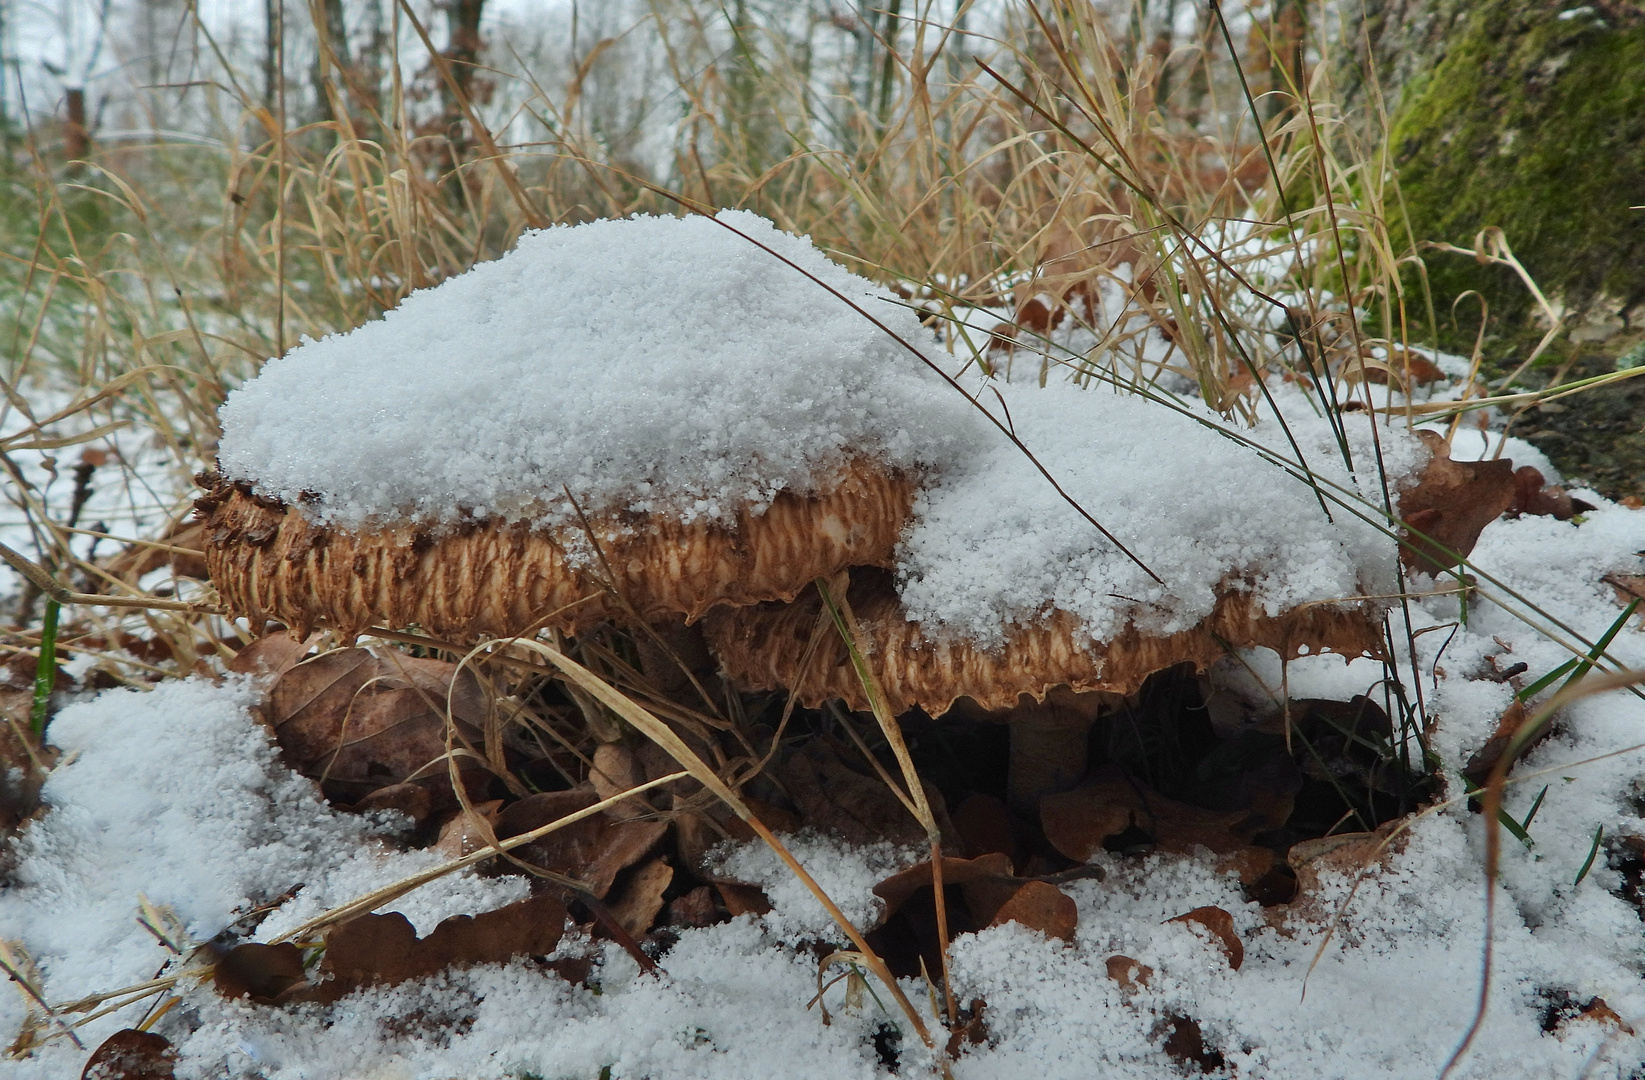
x=384 y=949
x=1040 y=906
x=259 y=972
x=616 y=769
x=1451 y=504
x=1401 y=363
x=1185 y=1043
x=1079 y=822
x=1344 y=853
x=412 y=800
x=695 y=908
x=1220 y=924
x=971 y=1029
x=358 y=720
x=466 y=831
x=639 y=898
x=132 y=1055
x=594 y=850
x=270 y=655
x=741 y=898
x=1599 y=1012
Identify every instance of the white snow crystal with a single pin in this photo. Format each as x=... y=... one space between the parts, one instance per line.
x=645 y=363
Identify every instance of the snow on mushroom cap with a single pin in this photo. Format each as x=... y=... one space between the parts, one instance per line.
x=646 y=364
x=993 y=544
x=670 y=365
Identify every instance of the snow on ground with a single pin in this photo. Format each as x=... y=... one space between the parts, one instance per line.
x=176 y=796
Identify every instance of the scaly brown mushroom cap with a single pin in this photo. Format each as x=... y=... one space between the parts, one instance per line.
x=760 y=648
x=271 y=561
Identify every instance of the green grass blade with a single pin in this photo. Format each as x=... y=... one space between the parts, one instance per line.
x=45 y=672
x=1588 y=863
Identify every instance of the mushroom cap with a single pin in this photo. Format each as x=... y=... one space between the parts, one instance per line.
x=493 y=578
x=645 y=417
x=760 y=648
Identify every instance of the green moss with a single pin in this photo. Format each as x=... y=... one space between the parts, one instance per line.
x=1535 y=124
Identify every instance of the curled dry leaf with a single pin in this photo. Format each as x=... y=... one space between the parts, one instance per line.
x=1534 y=495
x=358 y=720
x=991 y=894
x=1252 y=864
x=412 y=800
x=987 y=883
x=1479 y=767
x=259 y=972
x=271 y=655
x=594 y=850
x=1079 y=823
x=132 y=1055
x=1452 y=503
x=971 y=1030
x=1185 y=1043
x=1220 y=924
x=465 y=832
x=1598 y=1012
x=695 y=908
x=1628 y=588
x=1344 y=853
x=384 y=949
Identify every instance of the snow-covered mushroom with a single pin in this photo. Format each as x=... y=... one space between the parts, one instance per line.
x=647 y=417
x=1048 y=681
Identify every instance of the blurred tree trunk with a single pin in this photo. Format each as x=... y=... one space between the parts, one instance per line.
x=272 y=29
x=331 y=57
x=463 y=54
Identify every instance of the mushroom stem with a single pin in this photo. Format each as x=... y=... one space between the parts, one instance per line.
x=1048 y=751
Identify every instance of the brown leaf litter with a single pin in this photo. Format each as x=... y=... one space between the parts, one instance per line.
x=383 y=950
x=358 y=720
x=132 y=1055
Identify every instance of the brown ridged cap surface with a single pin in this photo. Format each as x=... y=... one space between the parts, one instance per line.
x=760 y=648
x=271 y=561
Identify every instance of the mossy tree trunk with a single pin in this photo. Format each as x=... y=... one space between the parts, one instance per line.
x=1528 y=116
